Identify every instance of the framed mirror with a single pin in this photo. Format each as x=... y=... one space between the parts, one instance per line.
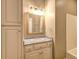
x=35 y=24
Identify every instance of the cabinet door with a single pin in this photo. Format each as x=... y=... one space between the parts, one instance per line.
x=46 y=53
x=11 y=43
x=11 y=12
x=33 y=55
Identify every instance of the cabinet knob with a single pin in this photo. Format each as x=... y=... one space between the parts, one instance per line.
x=41 y=52
x=19 y=30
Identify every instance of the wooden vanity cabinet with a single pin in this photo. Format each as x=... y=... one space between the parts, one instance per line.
x=41 y=53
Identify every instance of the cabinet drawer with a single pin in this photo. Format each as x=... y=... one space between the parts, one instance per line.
x=33 y=47
x=29 y=48
x=42 y=45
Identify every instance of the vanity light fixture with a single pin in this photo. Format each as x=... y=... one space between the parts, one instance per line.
x=36 y=11
x=30 y=7
x=36 y=8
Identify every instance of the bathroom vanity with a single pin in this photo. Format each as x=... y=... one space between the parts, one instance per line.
x=36 y=44
x=38 y=49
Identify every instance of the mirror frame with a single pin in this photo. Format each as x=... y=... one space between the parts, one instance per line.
x=38 y=33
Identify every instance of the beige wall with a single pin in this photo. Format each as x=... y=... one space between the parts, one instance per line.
x=60 y=29
x=71 y=29
x=50 y=18
x=56 y=26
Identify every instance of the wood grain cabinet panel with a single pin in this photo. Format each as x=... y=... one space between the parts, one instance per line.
x=46 y=53
x=11 y=12
x=33 y=55
x=11 y=43
x=28 y=48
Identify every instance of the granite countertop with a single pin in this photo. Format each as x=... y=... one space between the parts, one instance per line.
x=36 y=40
